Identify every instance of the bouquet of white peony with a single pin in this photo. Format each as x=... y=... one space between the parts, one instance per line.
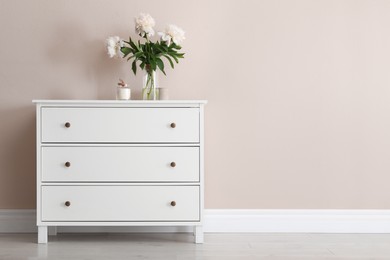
x=147 y=53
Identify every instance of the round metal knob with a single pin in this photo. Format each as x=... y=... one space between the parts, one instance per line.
x=173 y=125
x=67 y=124
x=173 y=203
x=67 y=203
x=173 y=164
x=67 y=164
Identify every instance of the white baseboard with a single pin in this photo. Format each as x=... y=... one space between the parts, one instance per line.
x=298 y=221
x=236 y=220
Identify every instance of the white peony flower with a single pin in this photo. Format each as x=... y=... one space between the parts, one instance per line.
x=144 y=24
x=114 y=44
x=172 y=33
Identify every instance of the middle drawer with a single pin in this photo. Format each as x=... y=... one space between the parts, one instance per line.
x=120 y=164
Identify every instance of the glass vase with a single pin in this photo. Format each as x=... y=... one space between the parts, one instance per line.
x=150 y=85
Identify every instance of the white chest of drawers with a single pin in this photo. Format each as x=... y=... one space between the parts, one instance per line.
x=119 y=163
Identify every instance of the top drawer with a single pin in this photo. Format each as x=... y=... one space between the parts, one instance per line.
x=119 y=125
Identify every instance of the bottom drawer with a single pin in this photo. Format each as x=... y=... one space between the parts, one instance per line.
x=120 y=203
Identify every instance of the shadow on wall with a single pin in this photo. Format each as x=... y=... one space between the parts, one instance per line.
x=18 y=157
x=78 y=55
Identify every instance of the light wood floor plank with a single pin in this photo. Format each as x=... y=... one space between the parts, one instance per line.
x=181 y=247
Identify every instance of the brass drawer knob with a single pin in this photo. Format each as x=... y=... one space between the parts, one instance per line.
x=173 y=164
x=67 y=124
x=67 y=164
x=173 y=203
x=67 y=203
x=173 y=125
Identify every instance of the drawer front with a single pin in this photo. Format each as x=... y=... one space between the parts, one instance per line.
x=120 y=125
x=120 y=164
x=120 y=203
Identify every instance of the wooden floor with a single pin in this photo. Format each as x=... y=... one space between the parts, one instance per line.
x=181 y=247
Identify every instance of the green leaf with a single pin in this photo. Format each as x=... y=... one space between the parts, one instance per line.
x=129 y=57
x=163 y=47
x=139 y=54
x=175 y=46
x=126 y=51
x=134 y=66
x=174 y=57
x=170 y=60
x=153 y=65
x=133 y=45
x=157 y=49
x=180 y=55
x=160 y=65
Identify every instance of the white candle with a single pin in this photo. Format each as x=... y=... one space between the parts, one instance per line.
x=123 y=93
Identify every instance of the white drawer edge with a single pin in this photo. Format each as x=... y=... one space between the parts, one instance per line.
x=190 y=144
x=120 y=144
x=124 y=183
x=120 y=184
x=120 y=223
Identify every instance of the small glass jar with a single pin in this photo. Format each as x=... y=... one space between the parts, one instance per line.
x=163 y=93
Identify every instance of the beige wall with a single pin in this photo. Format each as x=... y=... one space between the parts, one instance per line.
x=299 y=92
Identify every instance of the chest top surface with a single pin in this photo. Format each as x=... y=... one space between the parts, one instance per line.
x=120 y=103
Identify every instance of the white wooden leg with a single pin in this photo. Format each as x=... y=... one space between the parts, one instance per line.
x=53 y=231
x=42 y=234
x=198 y=232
